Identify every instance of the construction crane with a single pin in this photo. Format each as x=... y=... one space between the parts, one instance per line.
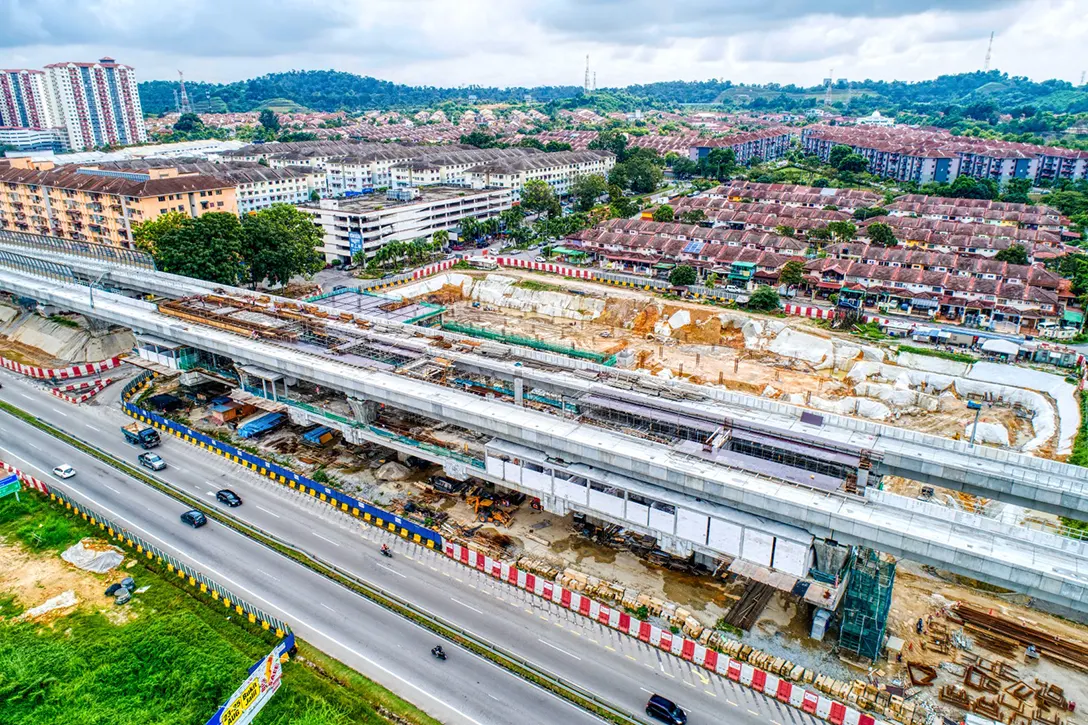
x=989 y=52
x=183 y=104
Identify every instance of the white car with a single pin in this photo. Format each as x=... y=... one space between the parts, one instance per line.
x=64 y=471
x=541 y=259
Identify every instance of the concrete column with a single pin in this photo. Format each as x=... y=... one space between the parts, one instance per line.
x=264 y=389
x=519 y=391
x=365 y=411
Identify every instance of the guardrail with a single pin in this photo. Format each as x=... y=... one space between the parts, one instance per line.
x=519 y=666
x=194 y=577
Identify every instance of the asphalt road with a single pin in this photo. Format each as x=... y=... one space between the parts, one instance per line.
x=378 y=644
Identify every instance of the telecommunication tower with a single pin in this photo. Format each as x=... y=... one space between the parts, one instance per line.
x=183 y=104
x=1083 y=73
x=830 y=85
x=989 y=52
x=585 y=83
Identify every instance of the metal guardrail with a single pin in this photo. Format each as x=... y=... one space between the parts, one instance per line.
x=103 y=252
x=207 y=585
x=516 y=664
x=33 y=265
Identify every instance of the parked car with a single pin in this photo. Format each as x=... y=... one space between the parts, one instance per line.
x=194 y=518
x=151 y=460
x=338 y=287
x=64 y=471
x=735 y=289
x=230 y=498
x=540 y=259
x=665 y=710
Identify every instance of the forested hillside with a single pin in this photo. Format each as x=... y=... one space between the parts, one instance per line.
x=335 y=90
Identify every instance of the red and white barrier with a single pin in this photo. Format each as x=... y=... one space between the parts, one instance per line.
x=76 y=371
x=430 y=269
x=759 y=680
x=92 y=390
x=576 y=272
x=816 y=313
x=30 y=481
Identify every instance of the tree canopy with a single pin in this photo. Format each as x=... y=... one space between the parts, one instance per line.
x=764 y=299
x=538 y=197
x=587 y=189
x=881 y=234
x=280 y=242
x=663 y=213
x=1015 y=254
x=792 y=273
x=682 y=276
x=208 y=247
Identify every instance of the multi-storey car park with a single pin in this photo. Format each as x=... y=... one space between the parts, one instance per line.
x=723 y=476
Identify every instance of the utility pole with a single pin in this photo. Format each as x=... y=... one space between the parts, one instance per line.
x=989 y=52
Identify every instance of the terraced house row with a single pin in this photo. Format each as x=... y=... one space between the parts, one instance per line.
x=922 y=156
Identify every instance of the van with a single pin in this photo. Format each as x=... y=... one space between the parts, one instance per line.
x=665 y=710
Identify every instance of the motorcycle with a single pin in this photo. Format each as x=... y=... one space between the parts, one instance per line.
x=386 y=552
x=439 y=653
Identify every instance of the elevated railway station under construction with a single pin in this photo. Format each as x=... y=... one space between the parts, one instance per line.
x=717 y=474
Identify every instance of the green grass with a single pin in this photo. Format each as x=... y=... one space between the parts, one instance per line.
x=869 y=331
x=175 y=661
x=535 y=286
x=63 y=321
x=1079 y=456
x=956 y=356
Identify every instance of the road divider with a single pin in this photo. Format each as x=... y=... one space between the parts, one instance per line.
x=470 y=641
x=193 y=577
x=75 y=371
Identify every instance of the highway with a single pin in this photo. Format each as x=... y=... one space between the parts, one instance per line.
x=379 y=644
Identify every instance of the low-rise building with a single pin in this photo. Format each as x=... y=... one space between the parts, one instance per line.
x=22 y=139
x=847 y=200
x=558 y=170
x=366 y=223
x=102 y=206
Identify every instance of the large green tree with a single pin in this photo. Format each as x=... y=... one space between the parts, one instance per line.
x=842 y=231
x=683 y=276
x=764 y=299
x=792 y=273
x=692 y=216
x=147 y=234
x=269 y=120
x=538 y=197
x=881 y=234
x=663 y=213
x=188 y=122
x=587 y=189
x=208 y=247
x=1015 y=254
x=279 y=243
x=640 y=175
x=837 y=154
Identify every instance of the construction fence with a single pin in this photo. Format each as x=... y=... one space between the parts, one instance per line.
x=150 y=552
x=348 y=504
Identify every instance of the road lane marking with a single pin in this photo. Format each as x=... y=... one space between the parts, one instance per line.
x=732 y=703
x=26 y=396
x=383 y=566
x=753 y=713
x=324 y=539
x=630 y=658
x=714 y=694
x=267 y=574
x=270 y=513
x=111 y=488
x=569 y=654
x=326 y=606
x=288 y=614
x=466 y=606
x=692 y=684
x=57 y=411
x=611 y=648
x=88 y=425
x=645 y=690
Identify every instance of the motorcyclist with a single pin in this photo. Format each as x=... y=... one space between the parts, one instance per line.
x=385 y=549
x=437 y=651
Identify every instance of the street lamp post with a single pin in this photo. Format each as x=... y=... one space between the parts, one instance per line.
x=977 y=407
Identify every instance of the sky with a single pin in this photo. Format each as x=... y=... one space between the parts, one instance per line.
x=545 y=42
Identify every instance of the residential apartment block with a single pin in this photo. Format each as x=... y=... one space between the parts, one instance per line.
x=366 y=223
x=256 y=186
x=97 y=104
x=26 y=101
x=922 y=156
x=101 y=206
x=24 y=138
x=765 y=144
x=363 y=166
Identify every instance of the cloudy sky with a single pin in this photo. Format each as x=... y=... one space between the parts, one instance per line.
x=541 y=42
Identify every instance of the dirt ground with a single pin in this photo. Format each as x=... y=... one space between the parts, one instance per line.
x=703 y=353
x=34 y=578
x=28 y=355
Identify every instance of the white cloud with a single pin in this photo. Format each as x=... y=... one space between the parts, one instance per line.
x=544 y=42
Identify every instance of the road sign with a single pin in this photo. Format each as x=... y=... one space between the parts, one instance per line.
x=264 y=679
x=10 y=485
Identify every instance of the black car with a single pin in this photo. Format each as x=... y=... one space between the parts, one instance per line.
x=194 y=518
x=230 y=498
x=665 y=710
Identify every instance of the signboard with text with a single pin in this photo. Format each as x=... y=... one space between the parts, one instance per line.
x=9 y=485
x=264 y=679
x=355 y=243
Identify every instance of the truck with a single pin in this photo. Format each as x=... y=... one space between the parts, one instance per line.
x=140 y=435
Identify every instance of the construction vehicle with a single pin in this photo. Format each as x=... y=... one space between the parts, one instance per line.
x=143 y=436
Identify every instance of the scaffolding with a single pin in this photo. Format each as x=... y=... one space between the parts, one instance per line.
x=866 y=604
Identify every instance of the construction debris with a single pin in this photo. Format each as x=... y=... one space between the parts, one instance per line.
x=1003 y=632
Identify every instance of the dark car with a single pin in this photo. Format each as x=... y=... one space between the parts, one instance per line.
x=665 y=710
x=230 y=498
x=194 y=518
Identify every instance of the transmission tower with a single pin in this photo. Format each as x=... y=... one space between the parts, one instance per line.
x=1083 y=73
x=830 y=83
x=989 y=52
x=585 y=83
x=594 y=81
x=183 y=104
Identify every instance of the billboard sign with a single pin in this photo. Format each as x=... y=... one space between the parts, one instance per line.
x=355 y=242
x=9 y=485
x=264 y=679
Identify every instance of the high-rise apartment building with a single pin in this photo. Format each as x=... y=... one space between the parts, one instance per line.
x=26 y=100
x=98 y=103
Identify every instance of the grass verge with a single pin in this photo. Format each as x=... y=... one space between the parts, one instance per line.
x=522 y=668
x=944 y=355
x=166 y=657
